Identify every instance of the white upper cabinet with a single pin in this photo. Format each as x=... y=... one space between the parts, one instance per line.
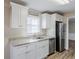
x=52 y=24
x=48 y=22
x=19 y=15
x=45 y=20
x=59 y=17
x=51 y=29
x=24 y=14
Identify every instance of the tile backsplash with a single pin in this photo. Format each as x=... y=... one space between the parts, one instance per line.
x=44 y=31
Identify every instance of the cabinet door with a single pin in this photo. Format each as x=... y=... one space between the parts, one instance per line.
x=51 y=29
x=42 y=49
x=59 y=17
x=30 y=54
x=20 y=56
x=23 y=52
x=19 y=16
x=45 y=21
x=23 y=17
x=18 y=52
x=25 y=55
x=15 y=16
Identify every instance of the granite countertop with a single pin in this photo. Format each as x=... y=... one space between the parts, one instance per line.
x=18 y=41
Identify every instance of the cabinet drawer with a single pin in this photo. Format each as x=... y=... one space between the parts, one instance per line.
x=23 y=48
x=25 y=55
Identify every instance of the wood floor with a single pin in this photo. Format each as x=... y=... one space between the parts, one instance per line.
x=69 y=54
x=72 y=44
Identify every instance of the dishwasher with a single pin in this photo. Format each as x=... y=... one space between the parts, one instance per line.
x=52 y=45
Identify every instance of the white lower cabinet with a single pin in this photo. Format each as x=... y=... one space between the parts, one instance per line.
x=36 y=50
x=42 y=52
x=23 y=51
x=42 y=49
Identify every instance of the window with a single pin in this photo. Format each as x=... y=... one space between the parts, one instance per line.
x=33 y=24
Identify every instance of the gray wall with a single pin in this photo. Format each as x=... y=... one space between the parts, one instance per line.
x=71 y=27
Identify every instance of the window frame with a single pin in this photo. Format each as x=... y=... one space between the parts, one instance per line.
x=39 y=25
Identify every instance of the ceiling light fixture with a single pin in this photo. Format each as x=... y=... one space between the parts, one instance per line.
x=66 y=1
x=61 y=1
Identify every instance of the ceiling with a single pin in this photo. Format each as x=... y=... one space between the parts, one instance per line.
x=48 y=5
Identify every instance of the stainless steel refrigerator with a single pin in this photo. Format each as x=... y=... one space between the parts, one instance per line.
x=59 y=36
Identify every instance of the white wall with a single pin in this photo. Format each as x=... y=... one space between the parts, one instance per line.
x=66 y=21
x=71 y=30
x=72 y=26
x=71 y=36
x=66 y=33
x=69 y=14
x=6 y=28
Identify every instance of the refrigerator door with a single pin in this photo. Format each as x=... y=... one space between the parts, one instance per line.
x=59 y=36
x=61 y=40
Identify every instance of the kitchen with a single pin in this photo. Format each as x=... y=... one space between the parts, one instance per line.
x=33 y=34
